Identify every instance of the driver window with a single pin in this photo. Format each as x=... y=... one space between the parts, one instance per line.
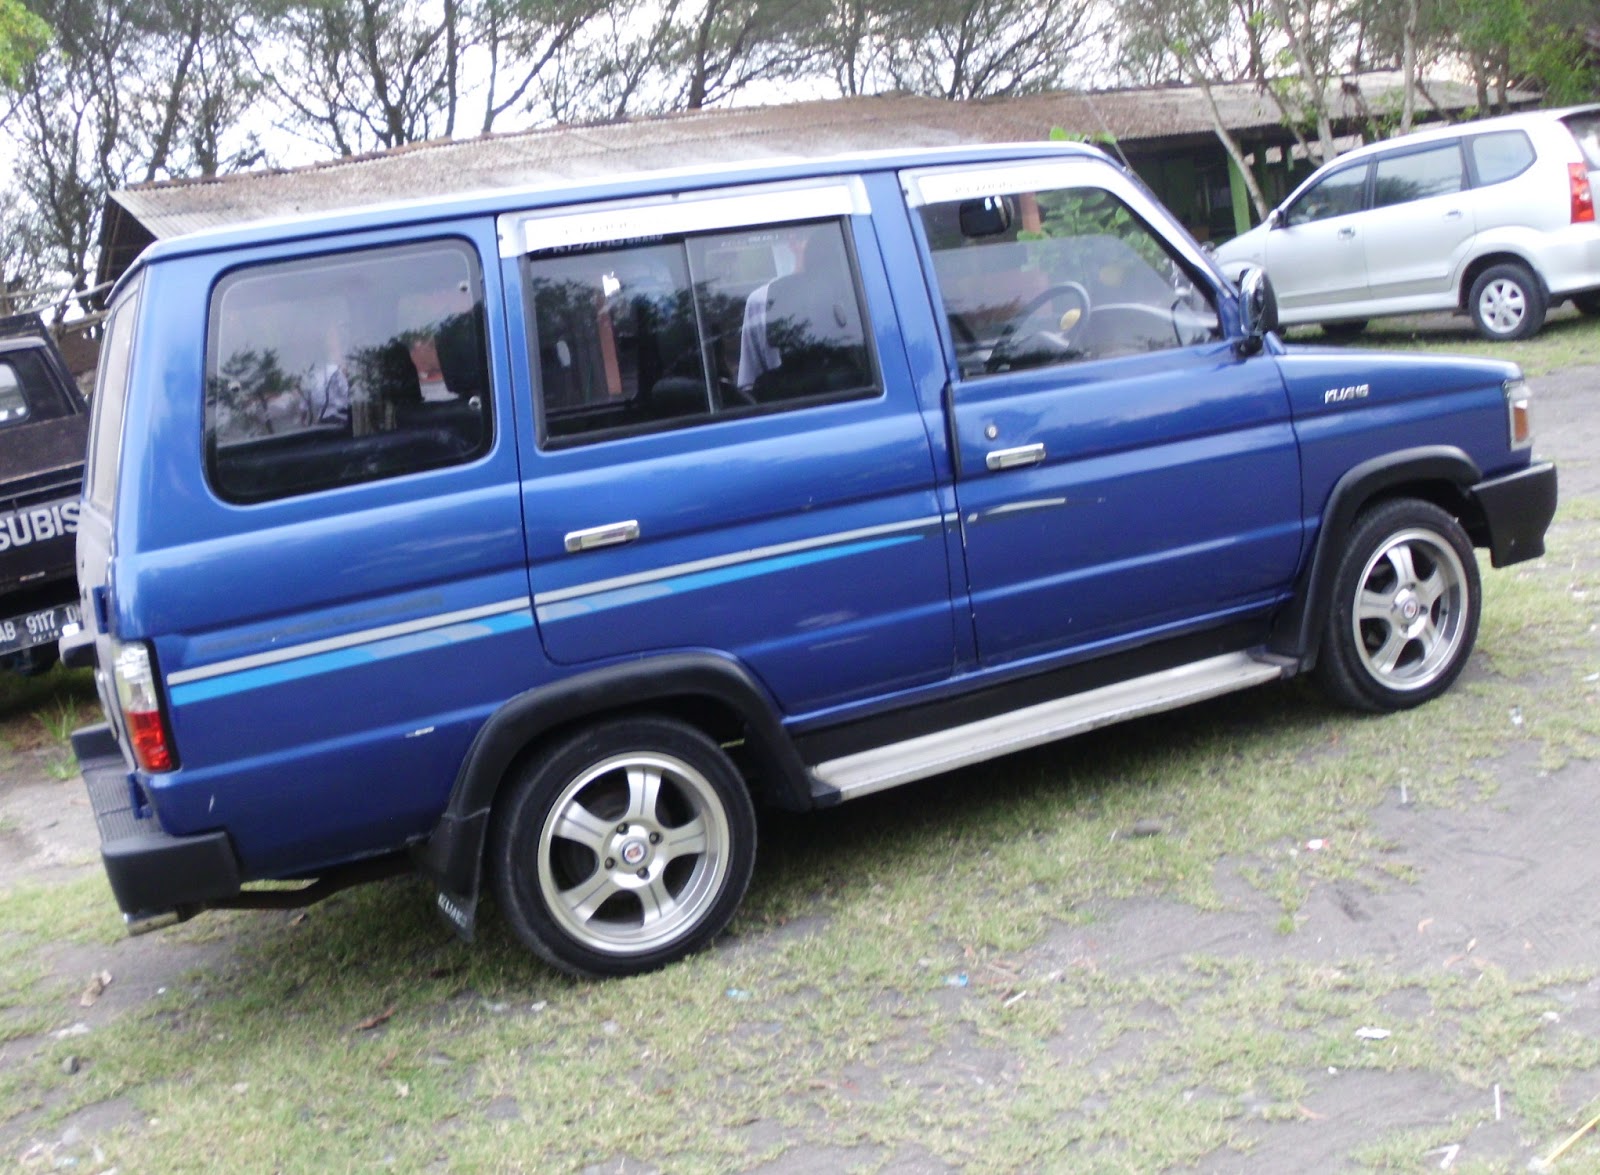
x=1339 y=194
x=1038 y=279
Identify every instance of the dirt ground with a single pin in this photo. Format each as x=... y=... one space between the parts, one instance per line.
x=1510 y=883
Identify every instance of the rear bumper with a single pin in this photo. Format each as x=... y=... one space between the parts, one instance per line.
x=1517 y=510
x=151 y=872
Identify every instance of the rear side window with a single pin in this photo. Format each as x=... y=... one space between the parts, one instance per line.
x=1500 y=156
x=110 y=396
x=689 y=328
x=1586 y=129
x=345 y=369
x=1417 y=175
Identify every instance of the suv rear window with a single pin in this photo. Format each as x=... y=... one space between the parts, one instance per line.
x=1500 y=156
x=684 y=329
x=344 y=369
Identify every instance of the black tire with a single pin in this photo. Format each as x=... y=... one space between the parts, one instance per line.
x=625 y=816
x=1507 y=302
x=1405 y=607
x=1588 y=304
x=1343 y=331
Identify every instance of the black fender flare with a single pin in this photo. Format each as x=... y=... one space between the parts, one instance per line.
x=1297 y=632
x=452 y=855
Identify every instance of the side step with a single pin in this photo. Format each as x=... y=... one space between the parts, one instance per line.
x=933 y=754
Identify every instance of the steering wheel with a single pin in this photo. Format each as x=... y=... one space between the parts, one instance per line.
x=1055 y=344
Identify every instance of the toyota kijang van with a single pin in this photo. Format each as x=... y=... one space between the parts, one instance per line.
x=528 y=540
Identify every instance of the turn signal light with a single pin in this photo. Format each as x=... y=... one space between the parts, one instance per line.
x=140 y=702
x=1582 y=194
x=1518 y=408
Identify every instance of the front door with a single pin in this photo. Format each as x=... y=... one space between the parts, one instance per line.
x=1122 y=475
x=1316 y=252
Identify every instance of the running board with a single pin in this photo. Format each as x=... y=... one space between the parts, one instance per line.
x=961 y=746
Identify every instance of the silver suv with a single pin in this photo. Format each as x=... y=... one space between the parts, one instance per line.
x=1495 y=219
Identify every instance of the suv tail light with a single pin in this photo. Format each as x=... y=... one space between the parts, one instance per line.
x=140 y=702
x=1582 y=194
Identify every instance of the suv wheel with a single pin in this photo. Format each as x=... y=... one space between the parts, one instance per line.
x=1507 y=302
x=625 y=848
x=1405 y=608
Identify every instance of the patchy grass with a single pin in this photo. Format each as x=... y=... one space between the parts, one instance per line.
x=1567 y=340
x=895 y=988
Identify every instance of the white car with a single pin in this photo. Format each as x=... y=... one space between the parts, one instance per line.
x=1494 y=218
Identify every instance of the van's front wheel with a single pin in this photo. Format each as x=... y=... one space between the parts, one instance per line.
x=625 y=848
x=1405 y=608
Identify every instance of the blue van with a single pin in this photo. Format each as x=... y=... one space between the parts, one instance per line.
x=528 y=540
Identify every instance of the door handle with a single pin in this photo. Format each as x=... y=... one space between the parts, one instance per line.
x=1453 y=214
x=612 y=534
x=1346 y=233
x=1015 y=458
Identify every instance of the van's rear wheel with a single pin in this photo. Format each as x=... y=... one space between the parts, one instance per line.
x=1507 y=302
x=1405 y=608
x=627 y=847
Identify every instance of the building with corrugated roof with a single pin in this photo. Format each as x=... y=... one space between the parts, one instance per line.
x=1165 y=133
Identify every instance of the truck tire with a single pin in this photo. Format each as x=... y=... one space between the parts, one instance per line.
x=1405 y=609
x=627 y=846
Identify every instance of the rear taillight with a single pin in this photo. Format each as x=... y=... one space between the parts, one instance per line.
x=1582 y=194
x=140 y=703
x=1519 y=420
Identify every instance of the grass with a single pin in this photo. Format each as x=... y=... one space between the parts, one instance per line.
x=913 y=979
x=1567 y=340
x=895 y=986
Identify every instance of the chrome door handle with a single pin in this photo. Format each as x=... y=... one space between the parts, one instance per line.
x=610 y=535
x=1015 y=458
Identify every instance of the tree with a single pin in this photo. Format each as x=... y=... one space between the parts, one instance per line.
x=1197 y=38
x=961 y=49
x=22 y=36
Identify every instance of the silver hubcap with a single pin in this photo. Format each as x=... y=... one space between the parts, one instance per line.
x=633 y=853
x=1502 y=306
x=1411 y=609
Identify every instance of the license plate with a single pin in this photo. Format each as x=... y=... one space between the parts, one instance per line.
x=36 y=628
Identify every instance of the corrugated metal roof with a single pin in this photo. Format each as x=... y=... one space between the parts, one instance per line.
x=746 y=134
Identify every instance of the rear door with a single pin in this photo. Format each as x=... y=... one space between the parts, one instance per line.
x=1121 y=474
x=728 y=456
x=1420 y=224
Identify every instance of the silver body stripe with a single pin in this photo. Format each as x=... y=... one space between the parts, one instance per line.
x=332 y=644
x=677 y=569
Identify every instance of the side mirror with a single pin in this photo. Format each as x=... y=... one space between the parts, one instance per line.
x=1258 y=310
x=988 y=217
x=1275 y=219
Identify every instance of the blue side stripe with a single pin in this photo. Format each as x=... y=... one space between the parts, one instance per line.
x=320 y=663
x=621 y=597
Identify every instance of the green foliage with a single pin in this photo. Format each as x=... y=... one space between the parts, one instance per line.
x=22 y=36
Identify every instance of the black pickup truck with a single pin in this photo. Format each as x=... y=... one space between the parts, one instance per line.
x=43 y=427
